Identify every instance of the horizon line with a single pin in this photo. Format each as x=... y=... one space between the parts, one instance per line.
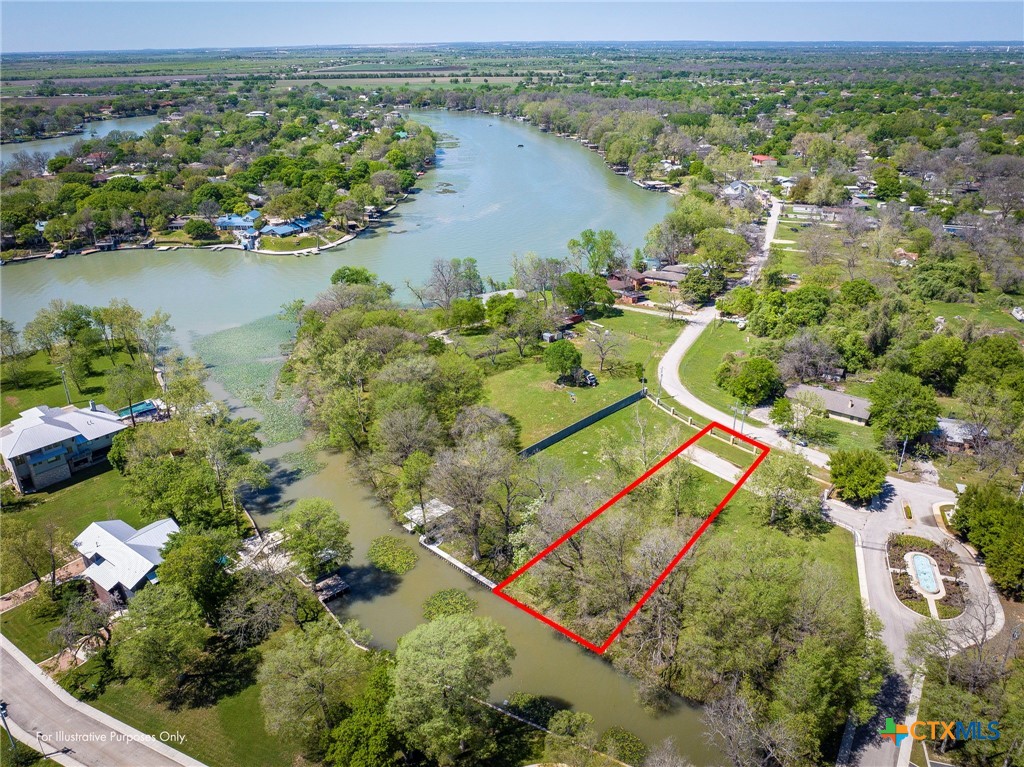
x=726 y=43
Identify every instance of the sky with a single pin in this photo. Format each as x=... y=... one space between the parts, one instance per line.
x=45 y=25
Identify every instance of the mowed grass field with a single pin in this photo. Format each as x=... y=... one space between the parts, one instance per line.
x=29 y=632
x=540 y=406
x=41 y=385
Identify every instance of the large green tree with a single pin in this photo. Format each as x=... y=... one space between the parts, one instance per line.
x=316 y=537
x=443 y=668
x=562 y=357
x=858 y=475
x=901 y=406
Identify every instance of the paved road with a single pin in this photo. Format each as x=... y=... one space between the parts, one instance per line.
x=36 y=704
x=871 y=527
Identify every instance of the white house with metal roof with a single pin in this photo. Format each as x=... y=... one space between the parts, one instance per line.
x=119 y=559
x=48 y=444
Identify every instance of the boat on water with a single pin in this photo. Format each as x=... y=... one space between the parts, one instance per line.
x=520 y=146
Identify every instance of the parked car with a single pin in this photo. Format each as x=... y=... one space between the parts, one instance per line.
x=586 y=378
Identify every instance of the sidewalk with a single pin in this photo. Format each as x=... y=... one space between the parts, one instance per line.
x=72 y=732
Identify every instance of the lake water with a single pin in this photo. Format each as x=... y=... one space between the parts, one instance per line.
x=506 y=200
x=52 y=146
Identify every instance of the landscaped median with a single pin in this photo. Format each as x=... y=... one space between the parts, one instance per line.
x=949 y=593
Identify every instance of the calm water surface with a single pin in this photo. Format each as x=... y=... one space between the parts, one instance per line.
x=504 y=200
x=51 y=146
x=487 y=200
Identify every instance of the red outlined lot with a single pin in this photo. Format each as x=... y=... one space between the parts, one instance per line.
x=600 y=648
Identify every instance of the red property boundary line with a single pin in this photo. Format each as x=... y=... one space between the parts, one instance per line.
x=600 y=649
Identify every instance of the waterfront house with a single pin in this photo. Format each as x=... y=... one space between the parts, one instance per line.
x=737 y=190
x=280 y=230
x=47 y=445
x=119 y=559
x=233 y=223
x=838 y=404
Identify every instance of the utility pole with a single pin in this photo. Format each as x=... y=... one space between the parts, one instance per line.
x=64 y=380
x=899 y=468
x=743 y=421
x=3 y=717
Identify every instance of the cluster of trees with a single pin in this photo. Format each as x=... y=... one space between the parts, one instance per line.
x=992 y=520
x=983 y=683
x=75 y=337
x=209 y=163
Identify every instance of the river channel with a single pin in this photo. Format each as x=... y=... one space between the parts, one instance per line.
x=51 y=146
x=502 y=199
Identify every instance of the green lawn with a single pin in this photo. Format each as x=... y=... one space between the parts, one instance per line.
x=289 y=243
x=30 y=633
x=89 y=496
x=698 y=367
x=41 y=385
x=530 y=395
x=984 y=312
x=24 y=753
x=230 y=733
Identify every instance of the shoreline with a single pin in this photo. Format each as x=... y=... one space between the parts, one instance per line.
x=69 y=134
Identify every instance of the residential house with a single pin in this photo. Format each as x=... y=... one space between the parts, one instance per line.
x=233 y=223
x=737 y=190
x=837 y=404
x=764 y=161
x=119 y=559
x=47 y=445
x=280 y=230
x=956 y=436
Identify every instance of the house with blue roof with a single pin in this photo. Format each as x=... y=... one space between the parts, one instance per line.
x=233 y=223
x=281 y=230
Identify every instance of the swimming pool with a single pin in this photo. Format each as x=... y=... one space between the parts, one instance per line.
x=139 y=408
x=925 y=573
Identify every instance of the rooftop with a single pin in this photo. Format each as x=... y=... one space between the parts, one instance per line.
x=836 y=402
x=42 y=426
x=125 y=555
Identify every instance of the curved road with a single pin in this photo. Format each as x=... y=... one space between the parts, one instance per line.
x=871 y=527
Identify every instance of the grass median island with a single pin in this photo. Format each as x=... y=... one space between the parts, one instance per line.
x=41 y=385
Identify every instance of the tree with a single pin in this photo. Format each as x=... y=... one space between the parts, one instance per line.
x=200 y=229
x=367 y=737
x=993 y=521
x=415 y=476
x=562 y=357
x=27 y=553
x=75 y=361
x=197 y=561
x=161 y=640
x=939 y=361
x=786 y=495
x=806 y=357
x=902 y=407
x=467 y=311
x=353 y=275
x=127 y=384
x=579 y=291
x=606 y=344
x=315 y=536
x=524 y=327
x=858 y=475
x=208 y=209
x=182 y=488
x=571 y=739
x=594 y=250
x=227 y=445
x=156 y=329
x=751 y=380
x=308 y=680
x=500 y=309
x=442 y=668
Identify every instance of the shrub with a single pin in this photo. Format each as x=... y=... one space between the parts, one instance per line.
x=198 y=229
x=858 y=475
x=448 y=602
x=391 y=555
x=623 y=745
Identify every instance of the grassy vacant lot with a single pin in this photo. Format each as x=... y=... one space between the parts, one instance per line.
x=581 y=453
x=984 y=312
x=89 y=496
x=30 y=633
x=230 y=733
x=541 y=407
x=288 y=243
x=41 y=385
x=698 y=367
